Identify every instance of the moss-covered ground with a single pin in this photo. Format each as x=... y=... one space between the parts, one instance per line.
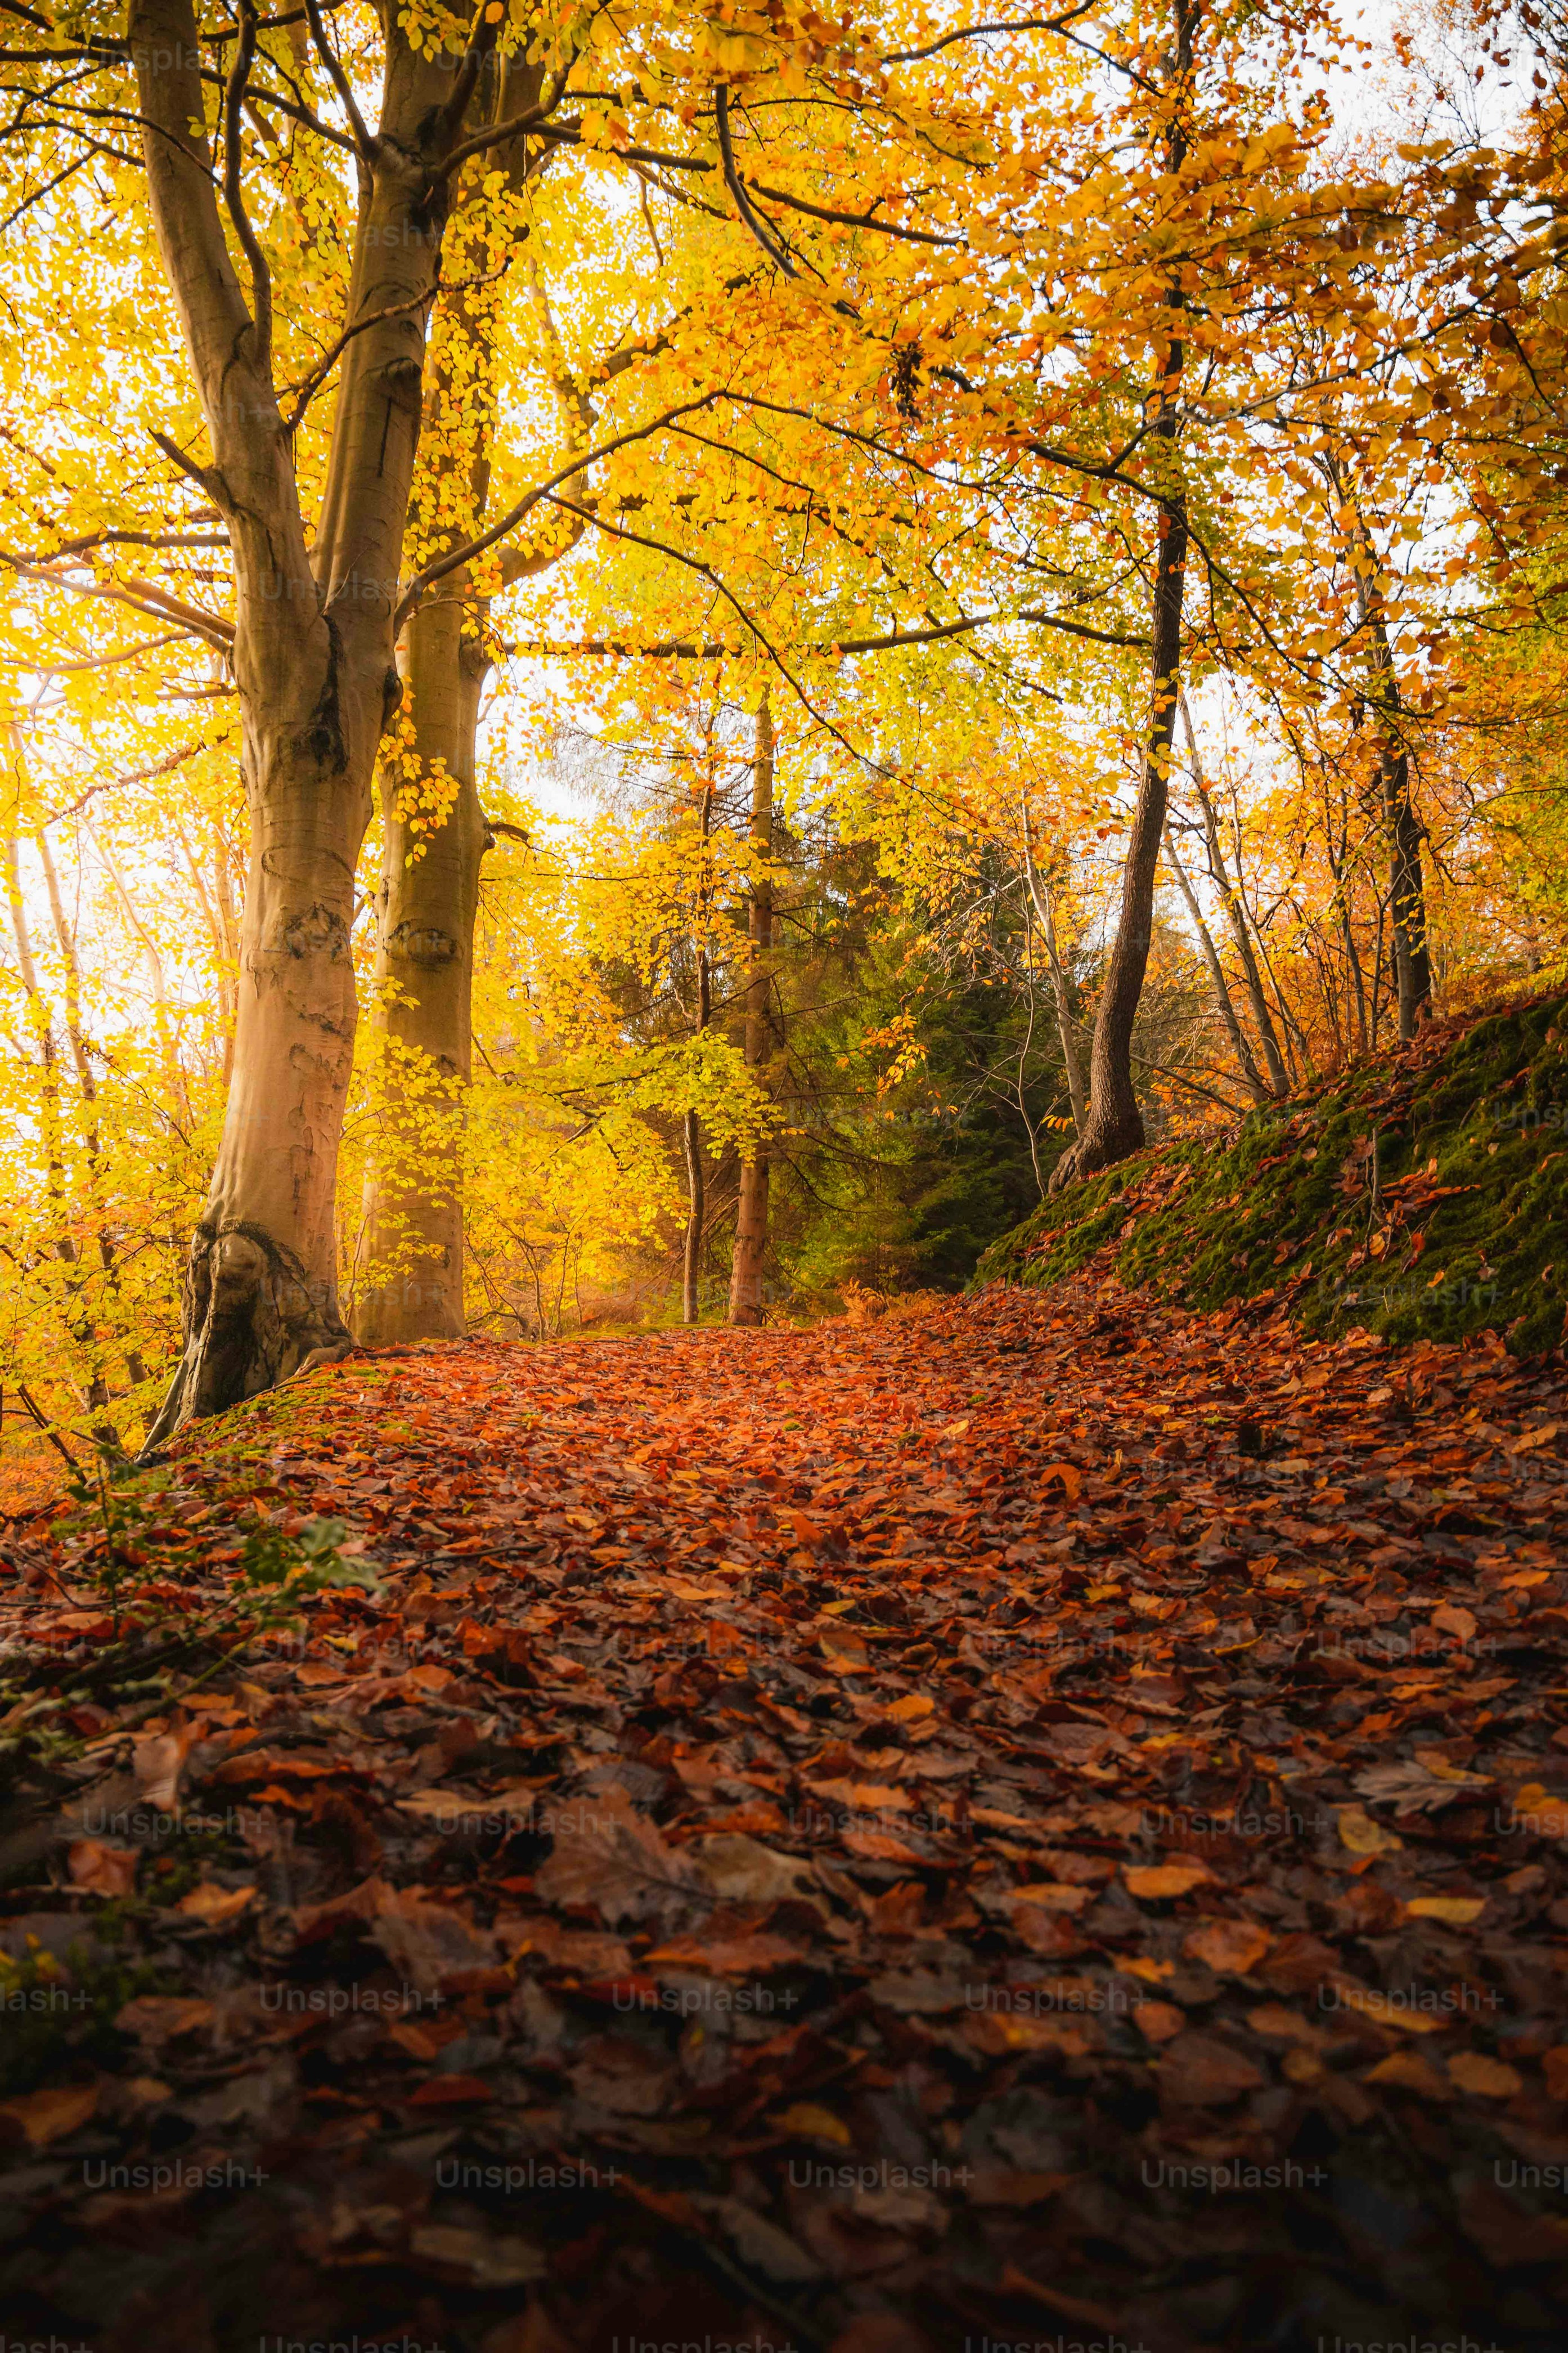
x=1422 y=1194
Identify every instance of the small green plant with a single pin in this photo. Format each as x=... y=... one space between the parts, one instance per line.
x=177 y=1617
x=60 y=2015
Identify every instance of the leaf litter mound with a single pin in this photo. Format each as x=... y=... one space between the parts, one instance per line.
x=1039 y=1822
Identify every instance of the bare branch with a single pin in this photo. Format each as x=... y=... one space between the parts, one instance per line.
x=974 y=32
x=363 y=142
x=454 y=560
x=750 y=218
x=234 y=196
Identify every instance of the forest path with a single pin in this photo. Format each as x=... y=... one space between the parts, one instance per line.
x=1024 y=1822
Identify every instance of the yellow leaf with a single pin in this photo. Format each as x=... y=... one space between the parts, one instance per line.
x=1458 y=1911
x=1364 y=1836
x=213 y=1904
x=807 y=2121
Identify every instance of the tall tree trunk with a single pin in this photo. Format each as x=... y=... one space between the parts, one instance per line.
x=696 y=1188
x=1403 y=829
x=1251 y=1076
x=411 y=1212
x=425 y=907
x=752 y=1219
x=1040 y=898
x=696 y=1206
x=1407 y=885
x=1113 y=1124
x=312 y=655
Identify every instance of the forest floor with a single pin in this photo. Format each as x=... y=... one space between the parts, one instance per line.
x=1040 y=1823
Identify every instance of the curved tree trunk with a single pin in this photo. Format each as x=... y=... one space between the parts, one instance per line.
x=752 y=1218
x=1113 y=1127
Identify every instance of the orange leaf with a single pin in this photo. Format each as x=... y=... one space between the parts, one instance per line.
x=1159 y=1881
x=48 y=2115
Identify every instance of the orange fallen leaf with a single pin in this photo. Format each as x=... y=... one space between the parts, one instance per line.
x=1158 y=1881
x=1407 y=2071
x=213 y=1904
x=1157 y=2021
x=1489 y=2079
x=103 y=1870
x=1052 y=1895
x=1230 y=1948
x=48 y=2115
x=158 y=2018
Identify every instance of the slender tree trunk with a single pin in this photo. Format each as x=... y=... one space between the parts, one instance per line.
x=412 y=1221
x=1251 y=1078
x=696 y=1203
x=1338 y=866
x=1040 y=898
x=1406 y=886
x=87 y=1079
x=1235 y=916
x=52 y=1126
x=1411 y=963
x=696 y=1189
x=1113 y=1125
x=751 y=1217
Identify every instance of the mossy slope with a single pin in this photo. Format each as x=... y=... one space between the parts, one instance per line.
x=1419 y=1195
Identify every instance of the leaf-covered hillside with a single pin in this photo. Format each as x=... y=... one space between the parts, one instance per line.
x=1420 y=1195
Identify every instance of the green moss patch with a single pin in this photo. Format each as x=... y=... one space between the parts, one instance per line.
x=1422 y=1194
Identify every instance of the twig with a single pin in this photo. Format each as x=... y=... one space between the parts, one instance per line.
x=47 y=1427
